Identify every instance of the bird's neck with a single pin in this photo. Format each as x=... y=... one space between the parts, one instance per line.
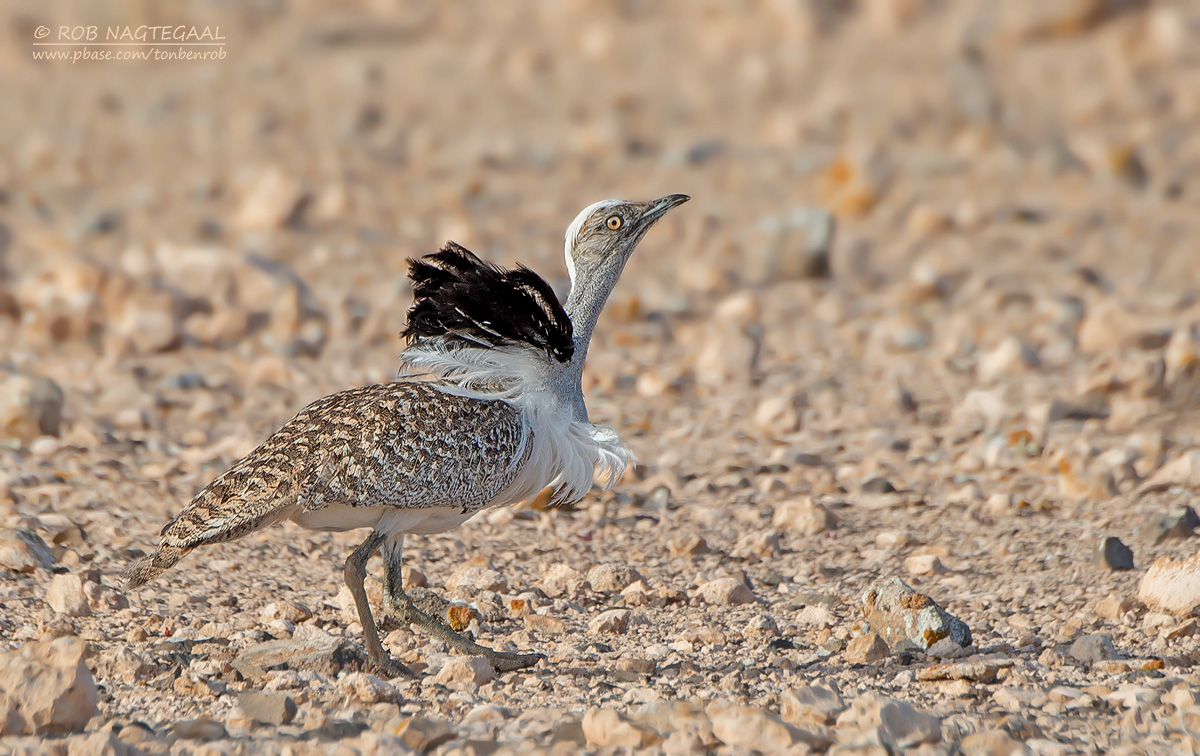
x=584 y=305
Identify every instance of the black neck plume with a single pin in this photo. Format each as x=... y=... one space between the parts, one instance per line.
x=458 y=297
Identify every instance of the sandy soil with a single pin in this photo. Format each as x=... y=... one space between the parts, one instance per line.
x=997 y=372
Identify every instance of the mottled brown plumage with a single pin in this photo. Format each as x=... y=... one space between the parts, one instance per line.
x=404 y=445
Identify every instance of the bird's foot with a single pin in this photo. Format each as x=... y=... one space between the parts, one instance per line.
x=385 y=666
x=506 y=662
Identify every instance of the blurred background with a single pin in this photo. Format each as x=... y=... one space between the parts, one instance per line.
x=934 y=308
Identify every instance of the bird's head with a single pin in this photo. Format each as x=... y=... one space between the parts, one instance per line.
x=603 y=236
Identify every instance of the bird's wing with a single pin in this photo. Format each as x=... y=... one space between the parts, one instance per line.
x=399 y=444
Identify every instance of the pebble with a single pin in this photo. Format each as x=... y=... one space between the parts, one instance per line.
x=1018 y=699
x=777 y=415
x=469 y=581
x=1114 y=607
x=924 y=564
x=1011 y=357
x=761 y=625
x=269 y=201
x=975 y=671
x=291 y=611
x=608 y=728
x=50 y=685
x=1093 y=648
x=544 y=624
x=992 y=743
x=803 y=516
x=1172 y=586
x=124 y=664
x=866 y=649
x=24 y=551
x=725 y=592
x=199 y=729
x=610 y=622
x=562 y=580
x=369 y=689
x=682 y=721
x=419 y=733
x=749 y=728
x=898 y=721
x=65 y=596
x=907 y=619
x=476 y=670
x=811 y=705
x=611 y=578
x=268 y=708
x=318 y=652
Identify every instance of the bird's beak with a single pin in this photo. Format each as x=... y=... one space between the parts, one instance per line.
x=660 y=206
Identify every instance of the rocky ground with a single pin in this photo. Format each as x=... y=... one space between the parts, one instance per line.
x=984 y=384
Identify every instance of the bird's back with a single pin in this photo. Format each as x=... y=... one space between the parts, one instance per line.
x=405 y=444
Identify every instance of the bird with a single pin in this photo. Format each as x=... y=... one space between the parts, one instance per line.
x=487 y=410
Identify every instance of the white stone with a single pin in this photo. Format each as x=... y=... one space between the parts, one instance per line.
x=725 y=592
x=904 y=725
x=1172 y=586
x=612 y=621
x=476 y=670
x=369 y=689
x=804 y=516
x=65 y=596
x=470 y=581
x=751 y=729
x=611 y=578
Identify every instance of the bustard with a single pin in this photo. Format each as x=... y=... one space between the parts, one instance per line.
x=488 y=411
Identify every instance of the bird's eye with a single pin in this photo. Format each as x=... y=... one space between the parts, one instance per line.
x=613 y=222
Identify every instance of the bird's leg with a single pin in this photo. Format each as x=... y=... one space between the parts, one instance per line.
x=356 y=572
x=402 y=605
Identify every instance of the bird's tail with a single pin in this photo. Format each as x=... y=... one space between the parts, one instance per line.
x=147 y=568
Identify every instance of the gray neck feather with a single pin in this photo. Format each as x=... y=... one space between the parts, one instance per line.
x=589 y=291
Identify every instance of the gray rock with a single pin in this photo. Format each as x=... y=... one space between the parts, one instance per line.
x=24 y=551
x=1179 y=523
x=945 y=649
x=906 y=619
x=1114 y=554
x=1090 y=649
x=268 y=708
x=319 y=653
x=65 y=596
